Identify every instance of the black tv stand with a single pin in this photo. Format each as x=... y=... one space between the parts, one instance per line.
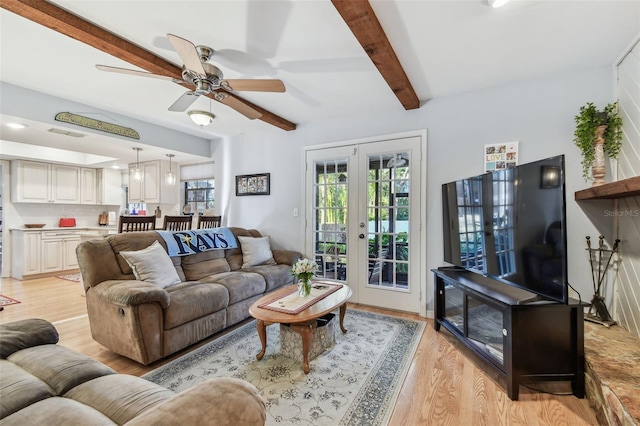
x=523 y=337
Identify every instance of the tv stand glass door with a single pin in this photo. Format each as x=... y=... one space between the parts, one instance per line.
x=477 y=320
x=524 y=341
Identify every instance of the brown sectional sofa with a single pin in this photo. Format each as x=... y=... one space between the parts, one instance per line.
x=144 y=322
x=44 y=383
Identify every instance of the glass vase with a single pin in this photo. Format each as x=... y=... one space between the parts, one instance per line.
x=304 y=287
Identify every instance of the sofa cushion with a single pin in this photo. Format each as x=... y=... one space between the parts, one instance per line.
x=64 y=368
x=152 y=264
x=19 y=388
x=192 y=300
x=200 y=265
x=120 y=397
x=275 y=276
x=57 y=411
x=240 y=285
x=256 y=251
x=25 y=333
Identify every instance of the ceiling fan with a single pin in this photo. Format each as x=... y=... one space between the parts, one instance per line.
x=206 y=79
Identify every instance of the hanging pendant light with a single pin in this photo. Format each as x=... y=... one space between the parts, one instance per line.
x=136 y=172
x=170 y=177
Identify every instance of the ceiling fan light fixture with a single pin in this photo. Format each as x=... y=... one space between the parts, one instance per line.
x=201 y=118
x=495 y=3
x=170 y=177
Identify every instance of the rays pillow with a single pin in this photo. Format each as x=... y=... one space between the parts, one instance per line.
x=152 y=265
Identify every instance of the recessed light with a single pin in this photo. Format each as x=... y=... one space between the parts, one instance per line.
x=17 y=125
x=495 y=3
x=115 y=166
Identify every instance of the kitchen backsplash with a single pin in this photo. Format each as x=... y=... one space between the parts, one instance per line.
x=50 y=214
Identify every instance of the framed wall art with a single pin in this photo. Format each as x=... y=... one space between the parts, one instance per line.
x=500 y=156
x=258 y=184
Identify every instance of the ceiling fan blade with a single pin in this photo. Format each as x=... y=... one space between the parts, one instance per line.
x=188 y=53
x=253 y=85
x=134 y=72
x=184 y=102
x=239 y=106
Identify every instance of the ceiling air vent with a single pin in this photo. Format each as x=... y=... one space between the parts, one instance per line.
x=66 y=133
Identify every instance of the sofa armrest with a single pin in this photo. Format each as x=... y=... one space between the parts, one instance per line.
x=131 y=293
x=24 y=334
x=286 y=257
x=222 y=401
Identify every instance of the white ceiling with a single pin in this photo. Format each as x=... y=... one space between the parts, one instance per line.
x=446 y=47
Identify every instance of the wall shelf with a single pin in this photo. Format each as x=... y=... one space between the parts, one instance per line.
x=619 y=189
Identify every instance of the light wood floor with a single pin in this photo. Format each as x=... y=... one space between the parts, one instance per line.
x=446 y=384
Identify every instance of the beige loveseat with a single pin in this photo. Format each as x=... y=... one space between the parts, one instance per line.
x=42 y=383
x=145 y=322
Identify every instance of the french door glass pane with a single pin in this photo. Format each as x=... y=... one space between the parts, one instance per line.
x=388 y=220
x=330 y=217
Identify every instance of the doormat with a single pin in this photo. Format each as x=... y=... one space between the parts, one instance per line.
x=4 y=300
x=70 y=277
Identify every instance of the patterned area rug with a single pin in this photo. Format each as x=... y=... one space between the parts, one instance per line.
x=70 y=277
x=4 y=301
x=355 y=382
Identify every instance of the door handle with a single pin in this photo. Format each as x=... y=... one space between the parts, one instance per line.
x=361 y=236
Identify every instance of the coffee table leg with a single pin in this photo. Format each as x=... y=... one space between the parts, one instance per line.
x=306 y=332
x=343 y=311
x=262 y=333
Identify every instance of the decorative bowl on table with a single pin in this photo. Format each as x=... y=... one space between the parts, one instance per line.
x=34 y=225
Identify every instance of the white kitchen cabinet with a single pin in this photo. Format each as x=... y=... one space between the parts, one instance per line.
x=109 y=187
x=51 y=255
x=36 y=182
x=43 y=252
x=88 y=186
x=30 y=182
x=59 y=250
x=65 y=184
x=69 y=257
x=25 y=249
x=152 y=189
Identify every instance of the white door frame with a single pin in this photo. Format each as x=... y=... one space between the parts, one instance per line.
x=422 y=134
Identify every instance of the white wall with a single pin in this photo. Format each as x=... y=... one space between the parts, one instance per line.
x=539 y=114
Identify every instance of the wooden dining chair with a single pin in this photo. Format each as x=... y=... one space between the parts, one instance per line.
x=177 y=223
x=209 y=222
x=136 y=223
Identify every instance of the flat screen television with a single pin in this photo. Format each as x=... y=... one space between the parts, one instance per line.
x=510 y=225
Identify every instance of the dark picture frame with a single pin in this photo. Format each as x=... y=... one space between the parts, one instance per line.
x=257 y=184
x=549 y=177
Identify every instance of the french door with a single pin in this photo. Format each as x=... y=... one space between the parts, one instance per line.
x=363 y=219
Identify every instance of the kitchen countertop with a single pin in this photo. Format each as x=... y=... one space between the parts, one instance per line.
x=95 y=229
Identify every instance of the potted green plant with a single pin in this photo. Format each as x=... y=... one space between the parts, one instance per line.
x=597 y=130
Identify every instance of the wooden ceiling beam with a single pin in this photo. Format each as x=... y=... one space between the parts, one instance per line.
x=360 y=18
x=64 y=22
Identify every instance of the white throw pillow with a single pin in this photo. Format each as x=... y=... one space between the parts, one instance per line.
x=152 y=265
x=256 y=251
